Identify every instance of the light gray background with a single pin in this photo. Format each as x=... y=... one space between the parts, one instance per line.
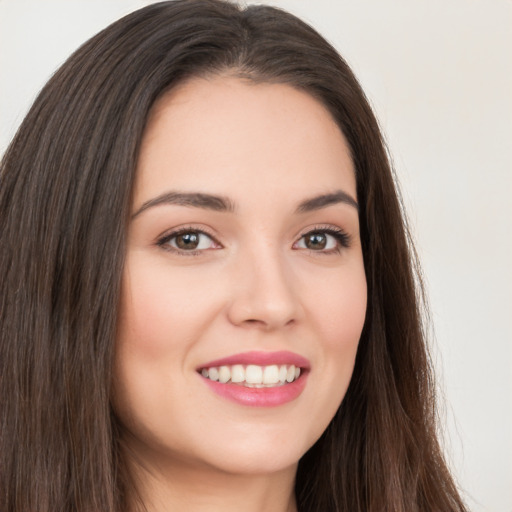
x=439 y=75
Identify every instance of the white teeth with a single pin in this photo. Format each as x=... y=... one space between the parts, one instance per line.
x=271 y=374
x=282 y=373
x=213 y=373
x=253 y=375
x=237 y=373
x=224 y=374
x=290 y=375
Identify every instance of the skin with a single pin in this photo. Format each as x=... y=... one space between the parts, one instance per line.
x=256 y=283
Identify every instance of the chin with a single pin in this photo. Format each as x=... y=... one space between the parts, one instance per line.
x=250 y=463
x=261 y=451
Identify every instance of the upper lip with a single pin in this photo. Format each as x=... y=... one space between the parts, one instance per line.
x=260 y=359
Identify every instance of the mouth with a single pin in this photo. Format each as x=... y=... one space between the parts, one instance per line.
x=253 y=376
x=264 y=379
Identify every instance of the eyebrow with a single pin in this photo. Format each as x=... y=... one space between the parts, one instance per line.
x=194 y=199
x=224 y=204
x=324 y=200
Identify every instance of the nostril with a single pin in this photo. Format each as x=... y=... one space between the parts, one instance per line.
x=263 y=308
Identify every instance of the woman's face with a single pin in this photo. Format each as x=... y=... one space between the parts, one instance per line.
x=244 y=269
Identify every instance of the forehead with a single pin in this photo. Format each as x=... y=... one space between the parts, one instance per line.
x=227 y=133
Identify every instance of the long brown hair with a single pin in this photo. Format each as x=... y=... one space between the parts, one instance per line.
x=65 y=194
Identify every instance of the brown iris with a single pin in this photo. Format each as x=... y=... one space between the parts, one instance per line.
x=315 y=241
x=187 y=241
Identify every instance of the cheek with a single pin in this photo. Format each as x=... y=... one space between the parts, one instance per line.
x=340 y=309
x=159 y=308
x=339 y=313
x=155 y=334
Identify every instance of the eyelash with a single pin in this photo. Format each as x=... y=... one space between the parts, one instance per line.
x=164 y=241
x=341 y=236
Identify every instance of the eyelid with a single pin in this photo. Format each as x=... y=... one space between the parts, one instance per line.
x=162 y=240
x=342 y=237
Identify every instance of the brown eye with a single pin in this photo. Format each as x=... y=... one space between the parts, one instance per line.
x=325 y=241
x=315 y=241
x=187 y=241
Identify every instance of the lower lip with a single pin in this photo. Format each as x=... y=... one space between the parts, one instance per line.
x=259 y=397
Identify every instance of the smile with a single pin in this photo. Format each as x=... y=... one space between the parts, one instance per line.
x=257 y=379
x=253 y=376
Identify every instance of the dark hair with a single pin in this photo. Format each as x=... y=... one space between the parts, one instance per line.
x=65 y=196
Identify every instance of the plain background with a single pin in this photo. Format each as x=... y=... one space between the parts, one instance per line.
x=439 y=75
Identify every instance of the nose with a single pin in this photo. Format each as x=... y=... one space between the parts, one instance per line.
x=263 y=292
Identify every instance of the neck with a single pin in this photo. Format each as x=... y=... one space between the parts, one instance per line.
x=205 y=489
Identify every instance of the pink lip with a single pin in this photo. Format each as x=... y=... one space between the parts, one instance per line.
x=260 y=359
x=260 y=397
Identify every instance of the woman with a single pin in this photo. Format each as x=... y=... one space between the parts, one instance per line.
x=210 y=298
